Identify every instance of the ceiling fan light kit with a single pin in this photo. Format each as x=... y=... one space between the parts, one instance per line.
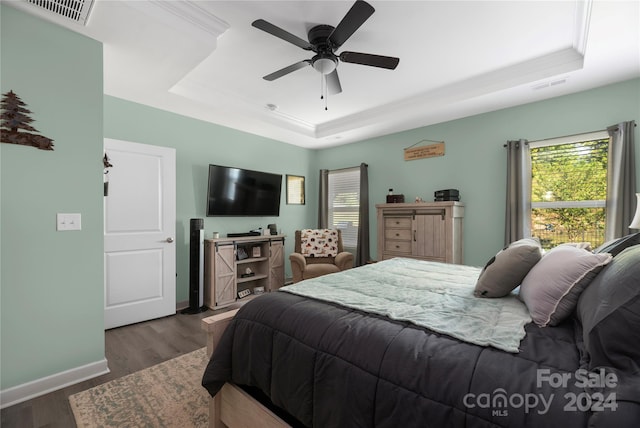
x=324 y=64
x=324 y=40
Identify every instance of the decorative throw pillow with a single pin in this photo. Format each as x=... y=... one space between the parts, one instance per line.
x=581 y=245
x=506 y=270
x=609 y=310
x=616 y=246
x=319 y=242
x=552 y=288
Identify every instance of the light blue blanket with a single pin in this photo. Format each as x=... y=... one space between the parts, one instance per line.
x=435 y=295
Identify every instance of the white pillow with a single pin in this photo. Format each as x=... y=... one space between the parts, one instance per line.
x=552 y=287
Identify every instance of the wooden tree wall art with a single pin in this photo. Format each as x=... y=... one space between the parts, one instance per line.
x=14 y=125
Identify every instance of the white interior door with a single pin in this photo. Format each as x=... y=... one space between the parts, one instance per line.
x=139 y=233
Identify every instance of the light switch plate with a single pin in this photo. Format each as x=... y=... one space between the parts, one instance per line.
x=68 y=221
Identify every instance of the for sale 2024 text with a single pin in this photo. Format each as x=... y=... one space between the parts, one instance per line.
x=597 y=394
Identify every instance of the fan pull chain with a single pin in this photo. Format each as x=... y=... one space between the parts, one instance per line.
x=325 y=92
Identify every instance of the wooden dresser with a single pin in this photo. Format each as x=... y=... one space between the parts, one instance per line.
x=426 y=231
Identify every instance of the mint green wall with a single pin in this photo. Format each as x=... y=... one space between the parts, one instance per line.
x=198 y=144
x=51 y=282
x=475 y=161
x=51 y=293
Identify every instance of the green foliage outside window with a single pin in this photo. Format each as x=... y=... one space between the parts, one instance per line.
x=575 y=172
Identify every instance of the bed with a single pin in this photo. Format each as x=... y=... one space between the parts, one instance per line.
x=304 y=357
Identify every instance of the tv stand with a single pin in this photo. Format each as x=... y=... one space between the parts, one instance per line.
x=227 y=276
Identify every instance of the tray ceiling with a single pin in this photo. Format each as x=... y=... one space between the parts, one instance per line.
x=457 y=58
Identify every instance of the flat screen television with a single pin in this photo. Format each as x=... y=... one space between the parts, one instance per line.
x=242 y=192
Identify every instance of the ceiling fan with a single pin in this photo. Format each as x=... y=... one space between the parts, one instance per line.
x=324 y=40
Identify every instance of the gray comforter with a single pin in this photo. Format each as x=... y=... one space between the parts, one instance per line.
x=331 y=366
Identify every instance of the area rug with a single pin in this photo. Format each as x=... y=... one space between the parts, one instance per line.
x=166 y=395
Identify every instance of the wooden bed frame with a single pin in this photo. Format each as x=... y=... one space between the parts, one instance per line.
x=232 y=407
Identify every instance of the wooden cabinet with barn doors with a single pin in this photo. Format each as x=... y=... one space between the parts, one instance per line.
x=426 y=231
x=235 y=268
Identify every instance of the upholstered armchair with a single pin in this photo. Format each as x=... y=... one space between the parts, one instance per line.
x=318 y=252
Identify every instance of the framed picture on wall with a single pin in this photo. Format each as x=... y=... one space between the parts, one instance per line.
x=295 y=190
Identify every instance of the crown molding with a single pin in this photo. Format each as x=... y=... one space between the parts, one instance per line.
x=192 y=18
x=581 y=27
x=543 y=67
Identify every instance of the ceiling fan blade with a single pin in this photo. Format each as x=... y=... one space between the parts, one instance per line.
x=284 y=71
x=357 y=15
x=333 y=83
x=268 y=27
x=388 y=62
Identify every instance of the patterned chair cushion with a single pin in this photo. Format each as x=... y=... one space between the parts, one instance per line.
x=319 y=242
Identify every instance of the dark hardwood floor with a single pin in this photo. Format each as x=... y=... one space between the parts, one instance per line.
x=128 y=349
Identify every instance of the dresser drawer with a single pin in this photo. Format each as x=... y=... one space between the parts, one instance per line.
x=399 y=234
x=397 y=246
x=397 y=222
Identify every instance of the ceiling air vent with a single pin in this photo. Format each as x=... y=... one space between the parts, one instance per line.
x=549 y=84
x=75 y=10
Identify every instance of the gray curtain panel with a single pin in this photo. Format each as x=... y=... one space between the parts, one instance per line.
x=621 y=180
x=323 y=199
x=362 y=252
x=518 y=206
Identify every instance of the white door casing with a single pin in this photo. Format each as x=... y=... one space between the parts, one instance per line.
x=139 y=233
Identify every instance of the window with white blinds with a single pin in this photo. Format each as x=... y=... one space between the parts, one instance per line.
x=569 y=189
x=344 y=204
x=295 y=189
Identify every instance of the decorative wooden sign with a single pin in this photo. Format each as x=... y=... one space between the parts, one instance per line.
x=422 y=152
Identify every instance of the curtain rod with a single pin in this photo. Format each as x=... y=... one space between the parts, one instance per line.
x=346 y=168
x=573 y=135
x=581 y=133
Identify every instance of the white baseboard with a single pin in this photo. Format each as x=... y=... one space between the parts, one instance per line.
x=38 y=387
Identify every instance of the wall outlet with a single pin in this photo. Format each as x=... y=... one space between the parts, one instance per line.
x=68 y=221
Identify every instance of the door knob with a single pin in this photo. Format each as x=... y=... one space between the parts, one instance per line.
x=169 y=240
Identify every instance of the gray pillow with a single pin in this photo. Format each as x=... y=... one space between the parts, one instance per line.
x=616 y=246
x=609 y=310
x=552 y=288
x=506 y=270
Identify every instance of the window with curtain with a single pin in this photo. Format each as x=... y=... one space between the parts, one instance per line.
x=344 y=204
x=569 y=189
